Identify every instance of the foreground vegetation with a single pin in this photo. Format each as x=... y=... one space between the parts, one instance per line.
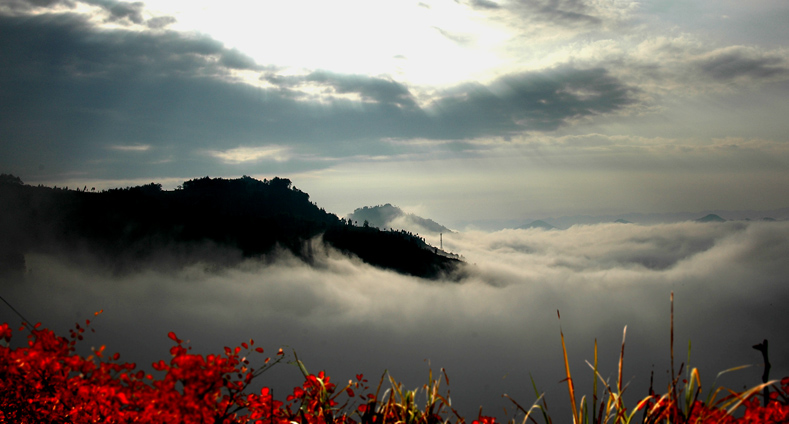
x=45 y=380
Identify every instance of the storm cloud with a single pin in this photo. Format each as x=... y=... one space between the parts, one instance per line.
x=490 y=332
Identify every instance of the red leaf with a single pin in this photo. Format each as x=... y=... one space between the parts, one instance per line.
x=122 y=397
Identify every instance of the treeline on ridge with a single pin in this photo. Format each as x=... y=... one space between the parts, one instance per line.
x=245 y=215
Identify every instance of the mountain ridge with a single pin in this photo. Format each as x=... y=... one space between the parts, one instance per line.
x=242 y=218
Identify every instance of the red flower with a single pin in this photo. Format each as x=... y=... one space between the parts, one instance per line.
x=484 y=420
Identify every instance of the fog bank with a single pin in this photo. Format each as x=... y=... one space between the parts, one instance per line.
x=490 y=332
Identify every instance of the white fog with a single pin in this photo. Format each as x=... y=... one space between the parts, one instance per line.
x=490 y=331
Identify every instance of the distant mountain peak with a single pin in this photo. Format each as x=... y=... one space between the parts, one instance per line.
x=390 y=216
x=711 y=218
x=538 y=224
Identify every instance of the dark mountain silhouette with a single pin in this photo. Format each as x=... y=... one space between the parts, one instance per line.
x=208 y=219
x=388 y=216
x=710 y=218
x=622 y=221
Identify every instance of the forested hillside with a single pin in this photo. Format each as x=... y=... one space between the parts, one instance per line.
x=242 y=218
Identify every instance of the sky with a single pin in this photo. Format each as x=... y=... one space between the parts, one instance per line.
x=458 y=110
x=492 y=332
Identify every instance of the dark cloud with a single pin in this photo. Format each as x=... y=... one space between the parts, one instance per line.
x=28 y=5
x=66 y=46
x=120 y=11
x=160 y=22
x=738 y=63
x=485 y=4
x=568 y=13
x=234 y=59
x=69 y=91
x=49 y=3
x=130 y=13
x=374 y=89
x=540 y=101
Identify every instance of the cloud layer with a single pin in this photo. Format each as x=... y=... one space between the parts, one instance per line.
x=180 y=93
x=490 y=332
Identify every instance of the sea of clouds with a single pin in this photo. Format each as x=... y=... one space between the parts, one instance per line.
x=492 y=331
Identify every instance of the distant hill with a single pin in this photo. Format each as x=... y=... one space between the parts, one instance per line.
x=567 y=221
x=388 y=216
x=622 y=221
x=710 y=218
x=127 y=227
x=538 y=224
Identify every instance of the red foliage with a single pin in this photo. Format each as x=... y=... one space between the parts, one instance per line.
x=46 y=381
x=751 y=410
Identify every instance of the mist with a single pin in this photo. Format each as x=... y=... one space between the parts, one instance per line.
x=491 y=332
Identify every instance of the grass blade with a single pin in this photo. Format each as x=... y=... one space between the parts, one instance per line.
x=742 y=397
x=594 y=384
x=673 y=388
x=544 y=402
x=570 y=387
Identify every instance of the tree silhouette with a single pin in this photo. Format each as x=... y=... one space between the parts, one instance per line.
x=127 y=226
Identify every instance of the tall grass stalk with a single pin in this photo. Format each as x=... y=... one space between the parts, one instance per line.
x=570 y=386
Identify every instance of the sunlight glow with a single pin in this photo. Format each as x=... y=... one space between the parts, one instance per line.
x=436 y=43
x=132 y=148
x=251 y=154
